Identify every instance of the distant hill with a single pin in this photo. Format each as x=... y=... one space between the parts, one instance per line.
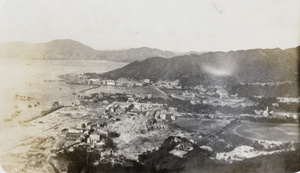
x=256 y=65
x=70 y=49
x=57 y=49
x=135 y=54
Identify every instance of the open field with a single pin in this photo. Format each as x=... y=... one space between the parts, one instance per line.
x=268 y=131
x=247 y=129
x=206 y=126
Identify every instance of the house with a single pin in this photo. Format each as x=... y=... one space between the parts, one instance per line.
x=222 y=92
x=102 y=132
x=93 y=138
x=149 y=96
x=130 y=95
x=178 y=87
x=188 y=94
x=110 y=82
x=119 y=84
x=147 y=81
x=131 y=99
x=163 y=115
x=283 y=113
x=94 y=81
x=138 y=84
x=205 y=147
x=288 y=100
x=172 y=108
x=156 y=105
x=173 y=117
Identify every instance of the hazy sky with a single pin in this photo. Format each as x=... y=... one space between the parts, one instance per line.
x=179 y=25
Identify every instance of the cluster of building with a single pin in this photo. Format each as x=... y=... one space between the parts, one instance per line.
x=106 y=96
x=268 y=83
x=216 y=96
x=87 y=134
x=232 y=102
x=285 y=114
x=288 y=100
x=93 y=135
x=85 y=79
x=154 y=110
x=278 y=113
x=199 y=91
x=120 y=82
x=169 y=84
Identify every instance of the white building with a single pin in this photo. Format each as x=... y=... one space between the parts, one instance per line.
x=146 y=81
x=110 y=82
x=94 y=137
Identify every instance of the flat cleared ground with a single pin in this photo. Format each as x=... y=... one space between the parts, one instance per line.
x=268 y=131
x=206 y=126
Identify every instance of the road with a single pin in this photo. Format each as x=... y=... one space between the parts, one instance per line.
x=166 y=96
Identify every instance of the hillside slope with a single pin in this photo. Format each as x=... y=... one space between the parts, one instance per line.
x=135 y=54
x=70 y=49
x=257 y=65
x=57 y=49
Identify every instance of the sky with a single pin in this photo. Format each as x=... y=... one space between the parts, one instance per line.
x=177 y=25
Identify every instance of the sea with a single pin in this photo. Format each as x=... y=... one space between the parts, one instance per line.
x=26 y=78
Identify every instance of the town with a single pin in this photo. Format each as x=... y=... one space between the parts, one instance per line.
x=125 y=123
x=127 y=111
x=146 y=89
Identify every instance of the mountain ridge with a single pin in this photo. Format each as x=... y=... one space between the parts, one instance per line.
x=69 y=49
x=254 y=65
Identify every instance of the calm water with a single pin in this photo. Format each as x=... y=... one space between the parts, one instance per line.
x=26 y=77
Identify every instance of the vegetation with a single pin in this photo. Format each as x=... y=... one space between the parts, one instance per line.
x=268 y=91
x=270 y=120
x=162 y=160
x=110 y=145
x=257 y=65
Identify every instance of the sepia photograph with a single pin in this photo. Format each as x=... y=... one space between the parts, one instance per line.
x=149 y=86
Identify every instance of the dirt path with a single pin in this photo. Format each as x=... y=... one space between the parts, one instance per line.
x=166 y=96
x=236 y=133
x=83 y=91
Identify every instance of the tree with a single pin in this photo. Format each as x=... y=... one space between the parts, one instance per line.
x=110 y=144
